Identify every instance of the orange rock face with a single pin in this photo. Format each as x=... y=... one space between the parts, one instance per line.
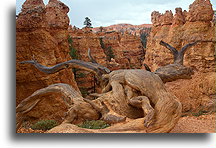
x=200 y=10
x=127 y=49
x=186 y=27
x=43 y=37
x=179 y=17
x=167 y=18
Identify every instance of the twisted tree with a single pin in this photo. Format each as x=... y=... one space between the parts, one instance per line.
x=131 y=100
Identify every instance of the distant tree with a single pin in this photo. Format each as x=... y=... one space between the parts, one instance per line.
x=87 y=22
x=110 y=53
x=143 y=37
x=73 y=53
x=107 y=50
x=101 y=29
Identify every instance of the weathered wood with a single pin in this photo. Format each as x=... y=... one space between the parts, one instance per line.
x=72 y=99
x=90 y=57
x=131 y=100
x=176 y=70
x=178 y=55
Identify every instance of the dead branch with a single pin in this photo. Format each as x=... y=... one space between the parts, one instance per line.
x=178 y=55
x=90 y=56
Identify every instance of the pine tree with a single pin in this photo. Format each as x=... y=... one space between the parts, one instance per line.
x=87 y=22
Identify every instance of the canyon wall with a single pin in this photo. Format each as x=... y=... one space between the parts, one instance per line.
x=113 y=49
x=42 y=34
x=136 y=30
x=197 y=94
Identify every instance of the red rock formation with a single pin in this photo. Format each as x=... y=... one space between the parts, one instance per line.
x=167 y=18
x=179 y=17
x=127 y=49
x=123 y=28
x=159 y=19
x=42 y=36
x=156 y=18
x=56 y=14
x=185 y=28
x=200 y=10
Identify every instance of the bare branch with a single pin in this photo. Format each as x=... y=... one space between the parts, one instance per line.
x=90 y=56
x=174 y=72
x=87 y=66
x=147 y=67
x=183 y=50
x=65 y=89
x=30 y=102
x=178 y=55
x=172 y=49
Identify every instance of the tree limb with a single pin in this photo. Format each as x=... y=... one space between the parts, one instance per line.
x=90 y=56
x=178 y=55
x=94 y=68
x=30 y=102
x=183 y=50
x=172 y=49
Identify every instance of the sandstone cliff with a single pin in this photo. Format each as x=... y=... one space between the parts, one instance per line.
x=178 y=30
x=115 y=50
x=41 y=34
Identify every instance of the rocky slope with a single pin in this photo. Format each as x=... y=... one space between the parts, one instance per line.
x=41 y=34
x=178 y=30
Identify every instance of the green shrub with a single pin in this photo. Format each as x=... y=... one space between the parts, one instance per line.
x=107 y=50
x=110 y=53
x=44 y=125
x=143 y=37
x=81 y=75
x=94 y=124
x=73 y=53
x=201 y=112
x=70 y=41
x=84 y=91
x=102 y=43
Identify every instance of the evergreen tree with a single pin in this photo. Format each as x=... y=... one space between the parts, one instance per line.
x=87 y=22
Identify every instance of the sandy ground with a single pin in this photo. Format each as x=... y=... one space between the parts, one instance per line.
x=192 y=124
x=189 y=124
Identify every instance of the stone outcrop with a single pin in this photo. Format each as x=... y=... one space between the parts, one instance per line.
x=167 y=18
x=56 y=15
x=179 y=17
x=41 y=34
x=200 y=10
x=156 y=18
x=186 y=27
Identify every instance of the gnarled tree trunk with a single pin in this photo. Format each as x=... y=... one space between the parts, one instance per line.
x=131 y=100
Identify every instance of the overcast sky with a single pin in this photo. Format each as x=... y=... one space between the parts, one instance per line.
x=109 y=12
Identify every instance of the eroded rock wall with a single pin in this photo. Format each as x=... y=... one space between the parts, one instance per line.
x=127 y=50
x=41 y=34
x=178 y=30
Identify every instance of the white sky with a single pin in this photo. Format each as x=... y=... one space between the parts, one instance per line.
x=109 y=12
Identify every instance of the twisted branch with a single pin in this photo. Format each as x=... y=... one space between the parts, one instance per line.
x=30 y=102
x=90 y=57
x=178 y=55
